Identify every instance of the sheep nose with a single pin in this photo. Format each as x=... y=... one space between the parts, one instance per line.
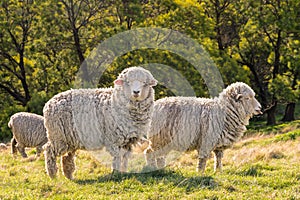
x=136 y=92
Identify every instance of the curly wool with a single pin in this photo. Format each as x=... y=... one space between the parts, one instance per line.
x=28 y=131
x=205 y=125
x=91 y=119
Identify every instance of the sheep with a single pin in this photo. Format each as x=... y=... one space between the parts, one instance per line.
x=28 y=131
x=202 y=124
x=3 y=146
x=90 y=119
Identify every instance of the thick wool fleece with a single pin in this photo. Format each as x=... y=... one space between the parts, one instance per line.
x=91 y=119
x=28 y=131
x=205 y=125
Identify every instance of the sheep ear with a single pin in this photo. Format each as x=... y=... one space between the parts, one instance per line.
x=153 y=82
x=238 y=97
x=118 y=82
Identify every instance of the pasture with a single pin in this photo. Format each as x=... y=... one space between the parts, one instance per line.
x=264 y=165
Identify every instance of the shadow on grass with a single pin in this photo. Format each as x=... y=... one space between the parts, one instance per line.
x=151 y=178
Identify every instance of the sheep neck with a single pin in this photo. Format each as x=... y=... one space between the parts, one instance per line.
x=234 y=122
x=137 y=114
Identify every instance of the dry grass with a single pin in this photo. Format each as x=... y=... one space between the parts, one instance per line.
x=252 y=153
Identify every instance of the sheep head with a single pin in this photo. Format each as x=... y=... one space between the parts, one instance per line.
x=244 y=99
x=136 y=83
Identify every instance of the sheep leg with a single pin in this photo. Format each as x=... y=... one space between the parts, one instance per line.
x=116 y=163
x=150 y=158
x=161 y=162
x=21 y=149
x=39 y=150
x=205 y=149
x=203 y=155
x=13 y=146
x=68 y=164
x=124 y=163
x=201 y=165
x=218 y=160
x=50 y=160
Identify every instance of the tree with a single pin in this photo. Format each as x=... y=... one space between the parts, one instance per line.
x=264 y=45
x=80 y=17
x=15 y=35
x=227 y=19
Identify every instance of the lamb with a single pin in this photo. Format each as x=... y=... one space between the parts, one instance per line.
x=28 y=131
x=90 y=119
x=202 y=124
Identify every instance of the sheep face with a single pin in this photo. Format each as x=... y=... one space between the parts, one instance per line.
x=246 y=96
x=136 y=82
x=251 y=104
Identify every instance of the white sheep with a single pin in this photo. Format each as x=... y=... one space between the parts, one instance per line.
x=3 y=146
x=91 y=119
x=28 y=131
x=205 y=125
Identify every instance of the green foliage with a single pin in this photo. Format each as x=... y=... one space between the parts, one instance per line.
x=37 y=101
x=43 y=44
x=7 y=109
x=145 y=58
x=282 y=88
x=292 y=135
x=230 y=70
x=275 y=129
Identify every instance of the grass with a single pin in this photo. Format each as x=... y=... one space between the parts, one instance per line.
x=264 y=165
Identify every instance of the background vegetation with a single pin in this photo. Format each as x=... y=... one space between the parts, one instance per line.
x=43 y=44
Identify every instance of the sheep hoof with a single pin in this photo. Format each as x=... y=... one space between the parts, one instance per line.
x=149 y=168
x=52 y=175
x=115 y=171
x=69 y=176
x=24 y=155
x=51 y=171
x=200 y=170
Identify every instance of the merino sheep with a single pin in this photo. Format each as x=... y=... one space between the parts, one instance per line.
x=28 y=131
x=205 y=125
x=90 y=119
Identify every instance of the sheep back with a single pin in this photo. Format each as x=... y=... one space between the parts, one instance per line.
x=183 y=123
x=77 y=117
x=28 y=129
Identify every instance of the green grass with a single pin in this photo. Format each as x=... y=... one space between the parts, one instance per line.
x=258 y=128
x=264 y=165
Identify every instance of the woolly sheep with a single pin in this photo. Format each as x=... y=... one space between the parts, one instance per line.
x=28 y=131
x=205 y=125
x=90 y=119
x=3 y=146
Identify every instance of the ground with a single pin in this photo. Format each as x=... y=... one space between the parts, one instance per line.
x=264 y=165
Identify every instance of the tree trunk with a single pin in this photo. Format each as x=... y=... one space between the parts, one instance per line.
x=271 y=117
x=289 y=114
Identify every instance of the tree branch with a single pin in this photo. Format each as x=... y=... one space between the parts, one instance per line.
x=17 y=96
x=12 y=71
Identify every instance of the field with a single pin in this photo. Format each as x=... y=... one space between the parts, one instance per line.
x=264 y=165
